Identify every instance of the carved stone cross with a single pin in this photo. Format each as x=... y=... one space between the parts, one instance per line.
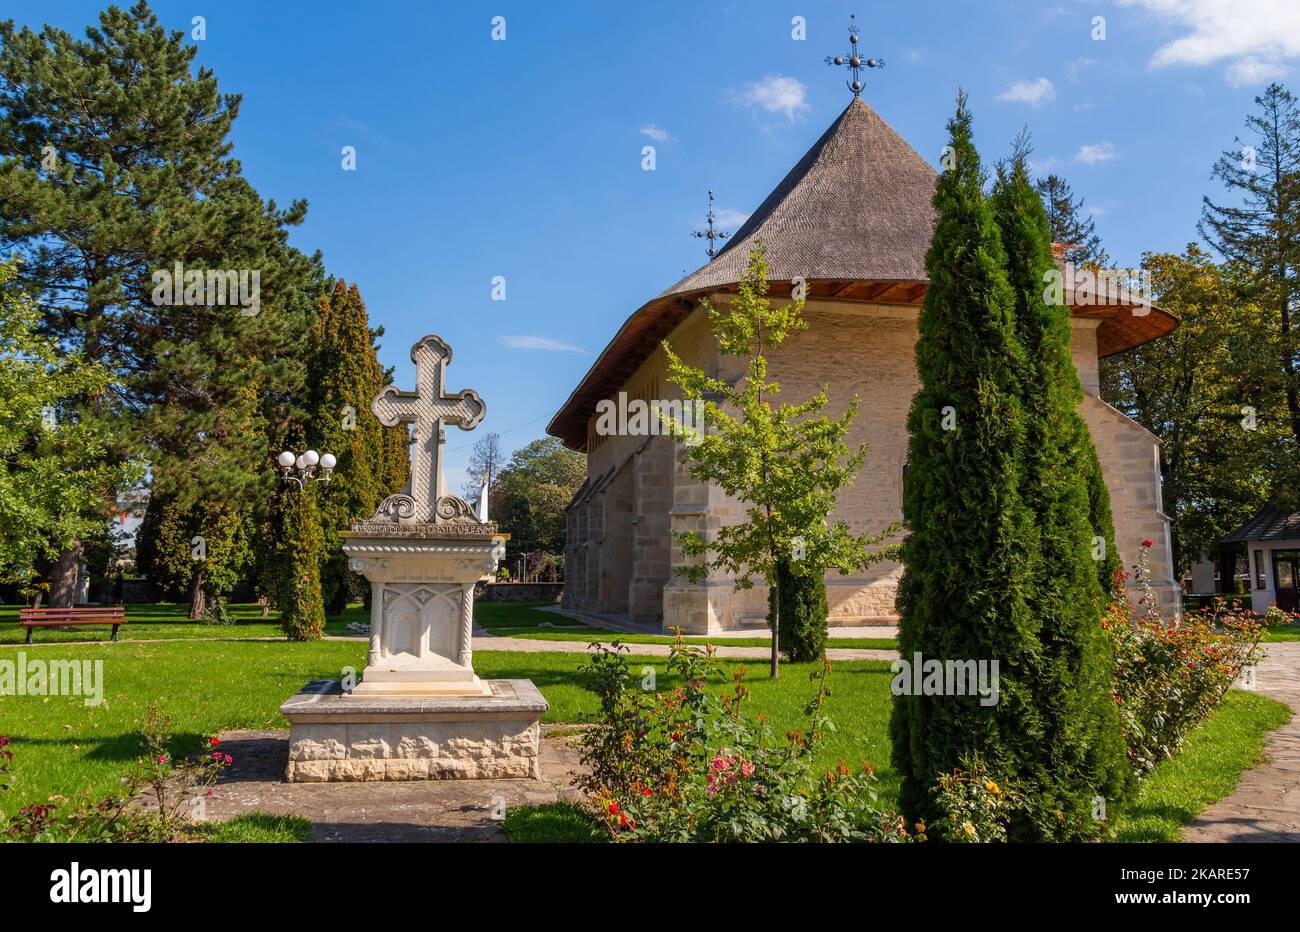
x=429 y=407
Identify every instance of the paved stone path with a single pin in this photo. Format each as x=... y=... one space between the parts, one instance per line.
x=1266 y=804
x=426 y=810
x=485 y=641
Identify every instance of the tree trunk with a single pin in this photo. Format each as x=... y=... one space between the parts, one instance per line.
x=198 y=598
x=63 y=584
x=776 y=628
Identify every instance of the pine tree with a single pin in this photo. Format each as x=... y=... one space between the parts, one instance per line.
x=968 y=553
x=1262 y=233
x=1079 y=752
x=343 y=376
x=115 y=165
x=1069 y=225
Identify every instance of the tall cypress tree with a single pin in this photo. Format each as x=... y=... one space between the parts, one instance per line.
x=1080 y=750
x=964 y=594
x=344 y=375
x=302 y=611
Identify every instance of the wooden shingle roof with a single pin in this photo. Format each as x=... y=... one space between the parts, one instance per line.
x=853 y=220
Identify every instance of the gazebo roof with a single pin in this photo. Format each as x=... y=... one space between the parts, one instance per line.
x=853 y=219
x=1271 y=523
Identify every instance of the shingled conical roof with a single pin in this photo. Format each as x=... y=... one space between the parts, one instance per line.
x=853 y=219
x=856 y=207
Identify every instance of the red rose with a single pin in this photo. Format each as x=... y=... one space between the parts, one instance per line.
x=1147 y=543
x=613 y=808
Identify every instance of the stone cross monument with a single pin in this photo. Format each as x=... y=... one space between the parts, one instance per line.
x=419 y=711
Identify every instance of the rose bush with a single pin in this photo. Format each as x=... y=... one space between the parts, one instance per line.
x=1171 y=673
x=688 y=765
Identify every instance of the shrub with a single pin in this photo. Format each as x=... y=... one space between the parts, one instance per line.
x=974 y=806
x=1171 y=673
x=803 y=611
x=688 y=766
x=218 y=614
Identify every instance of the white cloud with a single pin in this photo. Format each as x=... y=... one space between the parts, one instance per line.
x=1096 y=152
x=1034 y=93
x=1254 y=37
x=541 y=343
x=728 y=218
x=1075 y=68
x=655 y=133
x=777 y=94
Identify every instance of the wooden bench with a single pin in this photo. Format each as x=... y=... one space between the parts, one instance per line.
x=33 y=618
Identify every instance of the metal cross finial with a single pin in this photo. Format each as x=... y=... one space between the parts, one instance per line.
x=854 y=60
x=710 y=234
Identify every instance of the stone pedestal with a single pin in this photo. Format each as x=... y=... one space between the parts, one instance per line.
x=336 y=736
x=419 y=711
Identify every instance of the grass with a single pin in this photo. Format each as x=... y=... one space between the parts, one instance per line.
x=64 y=748
x=1216 y=754
x=551 y=823
x=1287 y=632
x=168 y=621
x=526 y=620
x=256 y=828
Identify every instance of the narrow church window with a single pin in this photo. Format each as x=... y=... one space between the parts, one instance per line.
x=1259 y=569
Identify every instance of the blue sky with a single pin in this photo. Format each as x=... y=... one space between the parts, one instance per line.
x=522 y=158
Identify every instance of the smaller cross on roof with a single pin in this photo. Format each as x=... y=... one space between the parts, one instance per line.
x=854 y=60
x=710 y=234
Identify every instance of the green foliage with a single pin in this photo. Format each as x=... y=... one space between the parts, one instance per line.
x=999 y=512
x=1260 y=237
x=1069 y=225
x=115 y=166
x=343 y=376
x=974 y=808
x=785 y=462
x=690 y=766
x=302 y=610
x=1080 y=751
x=529 y=498
x=802 y=611
x=1220 y=461
x=53 y=473
x=1170 y=676
x=192 y=554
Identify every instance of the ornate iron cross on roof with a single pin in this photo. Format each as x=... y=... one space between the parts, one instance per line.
x=854 y=60
x=429 y=408
x=710 y=234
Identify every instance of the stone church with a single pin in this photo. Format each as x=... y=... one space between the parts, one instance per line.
x=853 y=221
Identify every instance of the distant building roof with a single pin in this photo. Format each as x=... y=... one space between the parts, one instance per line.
x=1272 y=523
x=853 y=219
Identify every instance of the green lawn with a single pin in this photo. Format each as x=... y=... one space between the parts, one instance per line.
x=1230 y=742
x=1289 y=632
x=524 y=620
x=168 y=621
x=64 y=748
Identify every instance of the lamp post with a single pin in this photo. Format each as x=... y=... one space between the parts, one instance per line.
x=298 y=468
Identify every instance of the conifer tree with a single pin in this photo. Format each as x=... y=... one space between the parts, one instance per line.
x=115 y=166
x=344 y=375
x=1079 y=754
x=302 y=610
x=970 y=540
x=1069 y=225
